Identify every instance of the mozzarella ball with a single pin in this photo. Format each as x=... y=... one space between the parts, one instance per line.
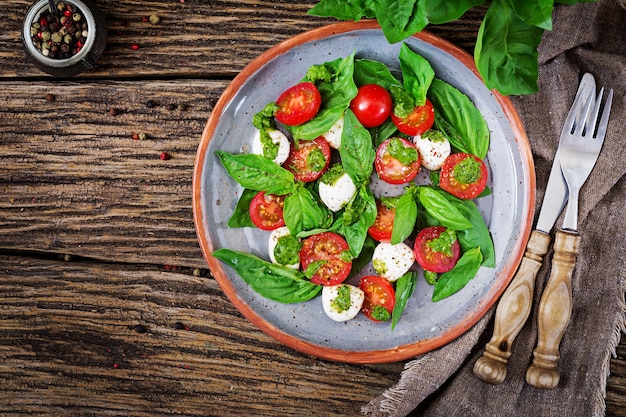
x=275 y=236
x=333 y=136
x=279 y=138
x=336 y=195
x=392 y=261
x=342 y=302
x=434 y=149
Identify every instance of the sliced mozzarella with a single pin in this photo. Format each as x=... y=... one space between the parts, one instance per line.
x=433 y=152
x=333 y=136
x=274 y=237
x=392 y=261
x=278 y=137
x=337 y=194
x=333 y=309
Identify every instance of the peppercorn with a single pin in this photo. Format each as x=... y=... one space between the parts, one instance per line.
x=143 y=136
x=164 y=156
x=135 y=136
x=113 y=111
x=150 y=104
x=50 y=97
x=134 y=47
x=154 y=19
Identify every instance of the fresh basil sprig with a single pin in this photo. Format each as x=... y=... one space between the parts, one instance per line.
x=272 y=281
x=404 y=290
x=464 y=271
x=256 y=172
x=507 y=40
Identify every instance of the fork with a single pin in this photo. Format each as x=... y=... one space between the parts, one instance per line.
x=578 y=153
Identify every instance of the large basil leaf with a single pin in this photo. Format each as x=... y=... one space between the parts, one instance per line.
x=464 y=271
x=406 y=216
x=302 y=211
x=404 y=290
x=417 y=74
x=367 y=71
x=258 y=173
x=534 y=12
x=241 y=215
x=400 y=18
x=272 y=281
x=362 y=209
x=444 y=11
x=356 y=150
x=506 y=51
x=458 y=110
x=437 y=206
x=336 y=97
x=343 y=9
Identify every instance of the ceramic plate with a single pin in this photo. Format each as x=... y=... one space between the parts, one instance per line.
x=424 y=325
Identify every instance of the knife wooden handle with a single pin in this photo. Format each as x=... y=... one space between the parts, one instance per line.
x=512 y=311
x=555 y=309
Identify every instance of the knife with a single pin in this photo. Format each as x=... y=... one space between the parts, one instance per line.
x=514 y=306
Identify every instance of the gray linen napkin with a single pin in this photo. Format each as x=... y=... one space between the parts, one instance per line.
x=588 y=37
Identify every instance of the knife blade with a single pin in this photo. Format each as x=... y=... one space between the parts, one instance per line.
x=515 y=304
x=555 y=196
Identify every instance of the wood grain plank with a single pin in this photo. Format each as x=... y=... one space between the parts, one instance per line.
x=89 y=338
x=73 y=180
x=195 y=38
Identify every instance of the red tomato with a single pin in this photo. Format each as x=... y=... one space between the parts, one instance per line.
x=266 y=211
x=372 y=105
x=380 y=298
x=309 y=159
x=298 y=104
x=329 y=248
x=383 y=225
x=463 y=175
x=418 y=121
x=429 y=257
x=390 y=164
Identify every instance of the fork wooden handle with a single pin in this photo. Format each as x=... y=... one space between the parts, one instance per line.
x=555 y=309
x=512 y=311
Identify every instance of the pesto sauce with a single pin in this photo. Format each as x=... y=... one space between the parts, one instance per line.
x=342 y=302
x=406 y=155
x=287 y=250
x=380 y=313
x=316 y=160
x=270 y=148
x=467 y=171
x=443 y=243
x=403 y=103
x=332 y=175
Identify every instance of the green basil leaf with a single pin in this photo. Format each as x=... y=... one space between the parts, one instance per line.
x=302 y=211
x=343 y=9
x=384 y=132
x=444 y=11
x=356 y=232
x=257 y=173
x=241 y=215
x=478 y=235
x=356 y=150
x=464 y=271
x=506 y=51
x=406 y=216
x=417 y=74
x=400 y=19
x=367 y=71
x=534 y=12
x=272 y=281
x=462 y=115
x=436 y=205
x=404 y=290
x=336 y=97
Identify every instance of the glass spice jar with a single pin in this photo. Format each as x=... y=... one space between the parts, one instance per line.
x=65 y=41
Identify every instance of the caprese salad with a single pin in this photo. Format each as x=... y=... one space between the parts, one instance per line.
x=308 y=182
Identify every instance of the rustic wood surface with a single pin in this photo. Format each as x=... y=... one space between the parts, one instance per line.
x=106 y=306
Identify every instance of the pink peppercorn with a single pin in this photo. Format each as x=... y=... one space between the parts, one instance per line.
x=164 y=156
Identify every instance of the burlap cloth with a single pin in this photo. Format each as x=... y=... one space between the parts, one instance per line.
x=588 y=37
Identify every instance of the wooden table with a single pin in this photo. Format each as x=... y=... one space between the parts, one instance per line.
x=106 y=305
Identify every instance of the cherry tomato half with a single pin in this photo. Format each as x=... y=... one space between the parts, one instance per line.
x=298 y=104
x=428 y=255
x=266 y=211
x=371 y=105
x=418 y=121
x=309 y=159
x=380 y=298
x=383 y=225
x=463 y=175
x=397 y=161
x=327 y=250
